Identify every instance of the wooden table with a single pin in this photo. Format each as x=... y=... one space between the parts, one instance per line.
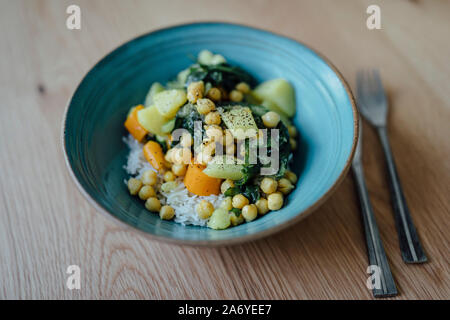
x=46 y=225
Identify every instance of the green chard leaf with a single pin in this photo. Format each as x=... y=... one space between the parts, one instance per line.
x=231 y=192
x=222 y=75
x=236 y=211
x=251 y=192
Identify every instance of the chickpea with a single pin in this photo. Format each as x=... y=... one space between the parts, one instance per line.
x=262 y=206
x=166 y=213
x=227 y=204
x=195 y=91
x=146 y=192
x=229 y=139
x=249 y=212
x=149 y=178
x=214 y=133
x=168 y=164
x=223 y=93
x=226 y=185
x=243 y=87
x=291 y=176
x=285 y=186
x=181 y=156
x=213 y=118
x=153 y=204
x=214 y=94
x=275 y=201
x=204 y=106
x=236 y=96
x=186 y=140
x=229 y=149
x=271 y=119
x=239 y=201
x=179 y=169
x=218 y=59
x=268 y=185
x=292 y=131
x=209 y=148
x=169 y=155
x=236 y=220
x=293 y=143
x=205 y=56
x=204 y=209
x=169 y=176
x=168 y=186
x=134 y=185
x=203 y=158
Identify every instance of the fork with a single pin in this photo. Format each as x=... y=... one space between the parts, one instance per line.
x=373 y=106
x=375 y=249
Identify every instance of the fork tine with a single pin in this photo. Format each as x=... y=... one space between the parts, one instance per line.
x=360 y=85
x=363 y=89
x=377 y=78
x=371 y=99
x=374 y=107
x=369 y=83
x=378 y=85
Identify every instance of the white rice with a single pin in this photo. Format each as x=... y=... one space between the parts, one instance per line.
x=179 y=198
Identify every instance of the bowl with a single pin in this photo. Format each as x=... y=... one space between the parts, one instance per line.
x=326 y=119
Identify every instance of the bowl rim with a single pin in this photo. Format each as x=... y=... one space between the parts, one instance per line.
x=236 y=240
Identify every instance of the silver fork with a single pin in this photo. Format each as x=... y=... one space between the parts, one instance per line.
x=373 y=106
x=375 y=249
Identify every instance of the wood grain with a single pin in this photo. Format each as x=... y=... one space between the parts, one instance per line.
x=45 y=224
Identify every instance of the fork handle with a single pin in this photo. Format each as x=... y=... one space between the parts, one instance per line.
x=410 y=246
x=375 y=249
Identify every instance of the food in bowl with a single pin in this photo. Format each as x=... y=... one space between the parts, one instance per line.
x=212 y=148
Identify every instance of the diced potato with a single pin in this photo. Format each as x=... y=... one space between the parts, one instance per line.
x=208 y=58
x=168 y=126
x=278 y=91
x=154 y=89
x=273 y=107
x=152 y=120
x=169 y=101
x=218 y=59
x=205 y=57
x=182 y=76
x=224 y=167
x=240 y=122
x=220 y=219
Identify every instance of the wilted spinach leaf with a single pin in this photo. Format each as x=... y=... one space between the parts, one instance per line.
x=251 y=192
x=236 y=211
x=249 y=171
x=284 y=150
x=222 y=75
x=231 y=192
x=186 y=118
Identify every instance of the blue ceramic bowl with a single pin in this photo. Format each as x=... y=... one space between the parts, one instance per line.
x=326 y=119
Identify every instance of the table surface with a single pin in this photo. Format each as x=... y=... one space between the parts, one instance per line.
x=46 y=225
